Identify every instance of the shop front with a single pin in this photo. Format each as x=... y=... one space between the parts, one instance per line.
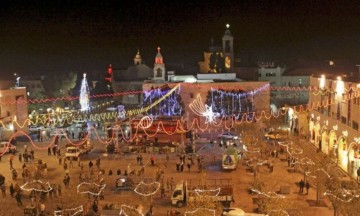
x=342 y=153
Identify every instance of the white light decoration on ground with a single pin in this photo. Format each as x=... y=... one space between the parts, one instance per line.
x=304 y=161
x=84 y=95
x=254 y=150
x=256 y=161
x=121 y=112
x=211 y=211
x=36 y=185
x=294 y=151
x=215 y=192
x=138 y=210
x=345 y=196
x=90 y=186
x=154 y=187
x=317 y=170
x=326 y=122
x=65 y=212
x=270 y=194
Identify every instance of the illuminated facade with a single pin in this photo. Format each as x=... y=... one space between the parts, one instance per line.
x=334 y=126
x=13 y=108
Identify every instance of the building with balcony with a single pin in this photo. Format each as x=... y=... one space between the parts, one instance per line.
x=335 y=117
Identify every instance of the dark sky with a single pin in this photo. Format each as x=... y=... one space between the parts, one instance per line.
x=68 y=35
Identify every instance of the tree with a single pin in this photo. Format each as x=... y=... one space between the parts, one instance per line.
x=37 y=94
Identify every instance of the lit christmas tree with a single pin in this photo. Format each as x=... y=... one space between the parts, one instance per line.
x=84 y=95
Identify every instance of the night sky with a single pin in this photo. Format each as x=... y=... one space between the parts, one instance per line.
x=51 y=36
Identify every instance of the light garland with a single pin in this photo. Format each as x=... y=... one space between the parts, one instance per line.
x=346 y=194
x=317 y=170
x=257 y=162
x=215 y=191
x=155 y=184
x=37 y=183
x=65 y=212
x=92 y=186
x=211 y=211
x=270 y=194
x=304 y=161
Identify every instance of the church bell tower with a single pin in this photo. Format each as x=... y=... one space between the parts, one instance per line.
x=228 y=49
x=159 y=66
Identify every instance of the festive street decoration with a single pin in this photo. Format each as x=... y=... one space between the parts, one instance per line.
x=90 y=188
x=147 y=189
x=36 y=185
x=196 y=211
x=121 y=112
x=84 y=95
x=209 y=192
x=70 y=212
x=344 y=195
x=303 y=161
x=316 y=171
x=270 y=194
x=172 y=105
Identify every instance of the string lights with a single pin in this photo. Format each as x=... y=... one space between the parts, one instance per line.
x=344 y=196
x=151 y=187
x=97 y=189
x=72 y=212
x=270 y=194
x=316 y=171
x=277 y=212
x=36 y=185
x=212 y=192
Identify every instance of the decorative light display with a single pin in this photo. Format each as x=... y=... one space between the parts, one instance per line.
x=194 y=212
x=36 y=185
x=149 y=188
x=72 y=212
x=253 y=150
x=304 y=161
x=121 y=112
x=344 y=196
x=172 y=105
x=84 y=95
x=90 y=188
x=211 y=192
x=256 y=162
x=270 y=194
x=357 y=140
x=317 y=170
x=137 y=210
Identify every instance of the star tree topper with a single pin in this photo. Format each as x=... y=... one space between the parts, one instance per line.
x=209 y=114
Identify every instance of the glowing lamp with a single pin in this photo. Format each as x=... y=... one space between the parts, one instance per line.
x=339 y=88
x=322 y=82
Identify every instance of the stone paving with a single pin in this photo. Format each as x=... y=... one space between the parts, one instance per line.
x=242 y=180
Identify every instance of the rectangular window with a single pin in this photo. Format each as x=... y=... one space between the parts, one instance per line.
x=355 y=125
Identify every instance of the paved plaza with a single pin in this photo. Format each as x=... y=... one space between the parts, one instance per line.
x=242 y=180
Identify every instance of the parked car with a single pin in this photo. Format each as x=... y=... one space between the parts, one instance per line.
x=35 y=128
x=273 y=135
x=6 y=147
x=228 y=135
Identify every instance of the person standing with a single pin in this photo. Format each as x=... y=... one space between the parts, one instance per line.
x=18 y=199
x=3 y=190
x=358 y=173
x=307 y=186
x=12 y=190
x=59 y=189
x=301 y=185
x=49 y=151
